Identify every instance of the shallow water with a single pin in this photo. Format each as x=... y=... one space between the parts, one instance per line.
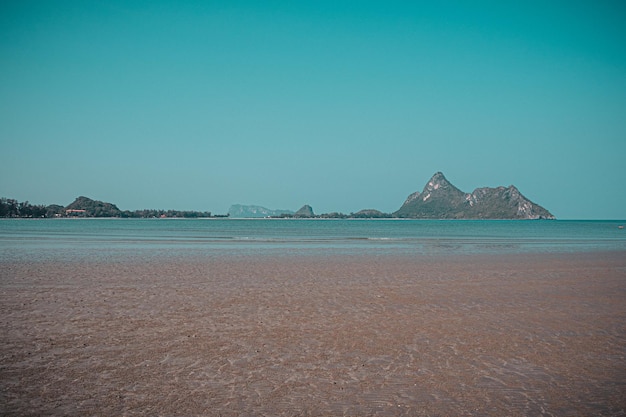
x=226 y=317
x=71 y=239
x=474 y=335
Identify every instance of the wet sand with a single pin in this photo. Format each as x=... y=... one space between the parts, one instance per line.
x=298 y=336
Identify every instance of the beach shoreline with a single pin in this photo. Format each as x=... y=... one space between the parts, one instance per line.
x=514 y=334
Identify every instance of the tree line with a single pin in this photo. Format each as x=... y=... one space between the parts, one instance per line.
x=12 y=208
x=149 y=213
x=85 y=207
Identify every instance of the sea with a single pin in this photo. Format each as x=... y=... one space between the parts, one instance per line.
x=80 y=239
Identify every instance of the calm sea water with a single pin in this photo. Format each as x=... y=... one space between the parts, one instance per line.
x=106 y=239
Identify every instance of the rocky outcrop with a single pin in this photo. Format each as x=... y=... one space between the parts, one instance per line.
x=305 y=211
x=442 y=200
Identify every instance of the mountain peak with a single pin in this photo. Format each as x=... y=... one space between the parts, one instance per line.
x=305 y=211
x=436 y=182
x=438 y=177
x=442 y=200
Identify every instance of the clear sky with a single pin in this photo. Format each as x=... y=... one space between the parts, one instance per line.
x=343 y=105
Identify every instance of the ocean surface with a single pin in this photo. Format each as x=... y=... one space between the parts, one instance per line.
x=111 y=239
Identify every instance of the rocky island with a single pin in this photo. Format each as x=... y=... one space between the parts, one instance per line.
x=438 y=200
x=441 y=200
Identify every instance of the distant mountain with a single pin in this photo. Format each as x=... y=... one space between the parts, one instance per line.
x=244 y=211
x=305 y=211
x=441 y=200
x=87 y=207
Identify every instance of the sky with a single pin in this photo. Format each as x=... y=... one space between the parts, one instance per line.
x=342 y=105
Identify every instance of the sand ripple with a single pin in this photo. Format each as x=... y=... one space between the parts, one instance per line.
x=303 y=336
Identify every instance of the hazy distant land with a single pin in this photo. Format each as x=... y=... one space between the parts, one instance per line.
x=439 y=199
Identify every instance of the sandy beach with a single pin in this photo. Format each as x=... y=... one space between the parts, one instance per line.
x=484 y=335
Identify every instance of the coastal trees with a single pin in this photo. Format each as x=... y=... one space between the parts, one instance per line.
x=12 y=208
x=151 y=213
x=86 y=207
x=8 y=207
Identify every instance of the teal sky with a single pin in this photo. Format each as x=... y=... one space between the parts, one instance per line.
x=342 y=105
